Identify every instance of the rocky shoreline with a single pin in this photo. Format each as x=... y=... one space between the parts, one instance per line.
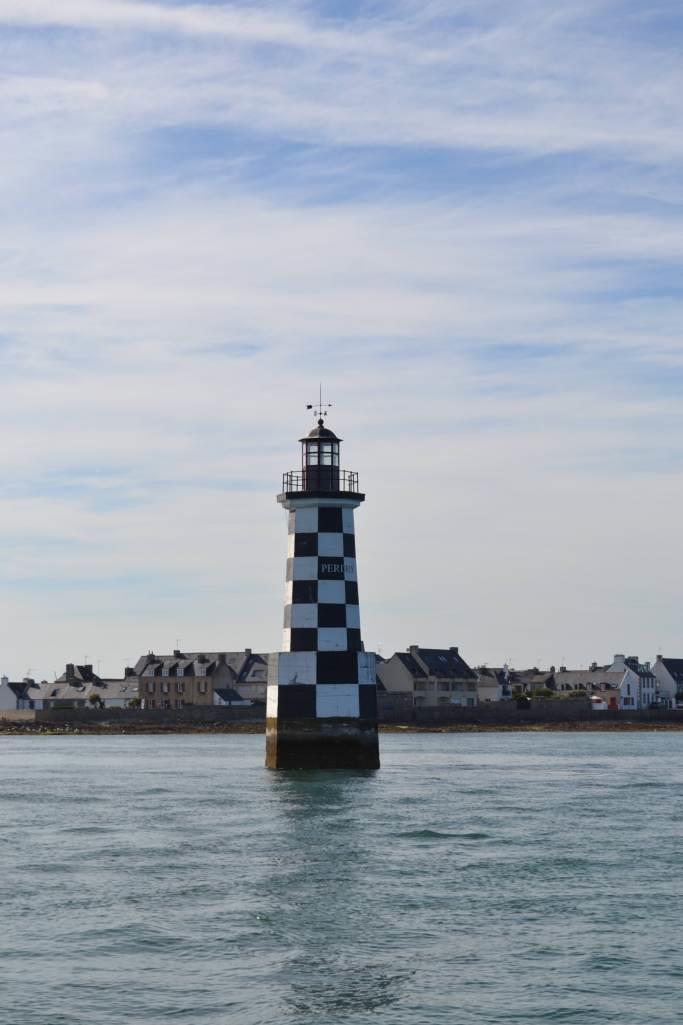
x=129 y=728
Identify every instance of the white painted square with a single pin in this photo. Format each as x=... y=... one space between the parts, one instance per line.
x=305 y=567
x=349 y=569
x=367 y=667
x=331 y=544
x=306 y=521
x=291 y=521
x=296 y=667
x=271 y=702
x=286 y=639
x=353 y=617
x=304 y=615
x=334 y=700
x=289 y=589
x=332 y=638
x=290 y=546
x=273 y=667
x=347 y=520
x=331 y=592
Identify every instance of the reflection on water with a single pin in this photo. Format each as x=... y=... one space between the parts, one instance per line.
x=327 y=880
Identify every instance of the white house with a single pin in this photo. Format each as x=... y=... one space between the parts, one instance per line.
x=14 y=696
x=638 y=686
x=669 y=673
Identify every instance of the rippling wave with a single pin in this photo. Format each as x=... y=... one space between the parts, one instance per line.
x=478 y=878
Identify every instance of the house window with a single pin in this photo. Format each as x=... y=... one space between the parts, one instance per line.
x=202 y=686
x=150 y=686
x=180 y=687
x=165 y=687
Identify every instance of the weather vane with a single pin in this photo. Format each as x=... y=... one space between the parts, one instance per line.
x=322 y=408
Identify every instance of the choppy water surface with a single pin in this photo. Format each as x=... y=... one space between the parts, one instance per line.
x=476 y=878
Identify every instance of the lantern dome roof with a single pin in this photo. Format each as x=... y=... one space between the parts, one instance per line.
x=322 y=433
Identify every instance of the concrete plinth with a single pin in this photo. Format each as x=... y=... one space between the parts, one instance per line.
x=322 y=744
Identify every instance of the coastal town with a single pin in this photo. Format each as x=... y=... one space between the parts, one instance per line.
x=417 y=678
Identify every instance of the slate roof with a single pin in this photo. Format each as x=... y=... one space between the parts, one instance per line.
x=60 y=690
x=446 y=663
x=81 y=674
x=411 y=665
x=576 y=678
x=228 y=694
x=675 y=668
x=241 y=664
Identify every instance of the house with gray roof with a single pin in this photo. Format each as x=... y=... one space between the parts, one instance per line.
x=434 y=676
x=201 y=678
x=669 y=674
x=14 y=696
x=80 y=687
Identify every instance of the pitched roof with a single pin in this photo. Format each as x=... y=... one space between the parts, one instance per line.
x=228 y=694
x=194 y=663
x=674 y=667
x=411 y=665
x=445 y=662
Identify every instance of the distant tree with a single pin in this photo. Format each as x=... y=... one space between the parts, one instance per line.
x=95 y=700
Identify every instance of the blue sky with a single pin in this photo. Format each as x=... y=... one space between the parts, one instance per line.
x=465 y=218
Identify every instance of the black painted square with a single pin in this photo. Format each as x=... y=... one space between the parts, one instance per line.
x=330 y=567
x=350 y=546
x=367 y=701
x=331 y=615
x=303 y=639
x=353 y=641
x=330 y=520
x=306 y=544
x=296 y=701
x=351 y=592
x=337 y=667
x=305 y=592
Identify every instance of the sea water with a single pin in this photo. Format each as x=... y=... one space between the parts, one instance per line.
x=476 y=878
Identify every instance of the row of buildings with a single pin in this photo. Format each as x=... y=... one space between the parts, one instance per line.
x=425 y=677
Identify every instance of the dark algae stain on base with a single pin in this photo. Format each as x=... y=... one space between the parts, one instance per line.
x=478 y=879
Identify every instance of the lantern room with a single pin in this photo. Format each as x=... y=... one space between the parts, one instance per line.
x=320 y=459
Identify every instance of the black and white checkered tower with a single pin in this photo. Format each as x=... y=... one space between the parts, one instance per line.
x=322 y=693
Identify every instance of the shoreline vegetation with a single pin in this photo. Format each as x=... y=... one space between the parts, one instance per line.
x=93 y=729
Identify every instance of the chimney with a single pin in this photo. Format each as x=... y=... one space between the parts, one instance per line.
x=4 y=680
x=128 y=672
x=70 y=671
x=594 y=667
x=247 y=651
x=563 y=669
x=454 y=650
x=177 y=653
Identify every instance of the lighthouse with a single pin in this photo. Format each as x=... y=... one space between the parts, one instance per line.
x=321 y=710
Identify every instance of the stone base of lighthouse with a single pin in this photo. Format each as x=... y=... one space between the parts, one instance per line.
x=314 y=725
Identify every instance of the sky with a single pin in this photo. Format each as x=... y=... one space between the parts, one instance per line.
x=464 y=218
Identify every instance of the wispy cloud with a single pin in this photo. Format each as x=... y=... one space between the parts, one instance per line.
x=464 y=217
